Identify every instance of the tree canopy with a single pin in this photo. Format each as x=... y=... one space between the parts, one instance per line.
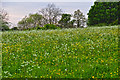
x=3 y=20
x=51 y=14
x=103 y=13
x=65 y=20
x=79 y=18
x=31 y=21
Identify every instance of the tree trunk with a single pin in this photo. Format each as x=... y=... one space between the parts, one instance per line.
x=78 y=23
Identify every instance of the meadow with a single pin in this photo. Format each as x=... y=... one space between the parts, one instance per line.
x=64 y=53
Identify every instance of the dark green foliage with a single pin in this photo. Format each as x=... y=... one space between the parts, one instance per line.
x=50 y=26
x=14 y=28
x=65 y=20
x=115 y=22
x=103 y=13
x=4 y=27
x=101 y=24
x=39 y=27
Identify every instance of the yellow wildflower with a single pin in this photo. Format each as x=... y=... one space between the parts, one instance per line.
x=92 y=76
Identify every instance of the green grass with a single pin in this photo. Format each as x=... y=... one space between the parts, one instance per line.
x=67 y=53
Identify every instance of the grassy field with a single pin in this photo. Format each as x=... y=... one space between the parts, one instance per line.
x=67 y=53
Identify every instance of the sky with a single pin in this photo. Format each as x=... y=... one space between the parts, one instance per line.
x=19 y=9
x=48 y=0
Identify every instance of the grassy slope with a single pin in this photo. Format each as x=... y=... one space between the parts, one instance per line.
x=77 y=53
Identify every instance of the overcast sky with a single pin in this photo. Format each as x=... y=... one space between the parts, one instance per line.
x=48 y=0
x=18 y=10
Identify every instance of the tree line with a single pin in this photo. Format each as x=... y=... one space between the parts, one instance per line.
x=52 y=17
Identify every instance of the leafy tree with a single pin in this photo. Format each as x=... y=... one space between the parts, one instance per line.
x=71 y=24
x=36 y=19
x=103 y=13
x=65 y=20
x=79 y=18
x=48 y=15
x=32 y=21
x=4 y=27
x=3 y=20
x=23 y=24
x=51 y=14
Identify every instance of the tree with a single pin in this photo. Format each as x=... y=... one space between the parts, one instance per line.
x=51 y=14
x=71 y=24
x=36 y=19
x=48 y=15
x=23 y=24
x=3 y=20
x=32 y=21
x=65 y=20
x=103 y=13
x=79 y=18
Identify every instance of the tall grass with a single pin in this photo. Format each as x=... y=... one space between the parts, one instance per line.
x=66 y=53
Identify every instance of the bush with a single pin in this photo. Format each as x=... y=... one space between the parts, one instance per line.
x=14 y=28
x=102 y=24
x=50 y=26
x=115 y=22
x=39 y=27
x=4 y=27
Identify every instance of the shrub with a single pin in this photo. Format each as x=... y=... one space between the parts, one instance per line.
x=50 y=26
x=14 y=28
x=102 y=24
x=4 y=27
x=39 y=27
x=115 y=22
